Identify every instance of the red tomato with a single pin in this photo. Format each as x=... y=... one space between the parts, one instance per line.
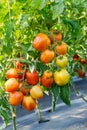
x=18 y=65
x=47 y=79
x=75 y=57
x=32 y=77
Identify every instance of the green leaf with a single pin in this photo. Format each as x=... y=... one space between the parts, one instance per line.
x=39 y=4
x=55 y=94
x=57 y=9
x=65 y=94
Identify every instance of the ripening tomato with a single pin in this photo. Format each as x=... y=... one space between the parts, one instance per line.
x=32 y=77
x=47 y=79
x=75 y=57
x=57 y=36
x=47 y=56
x=41 y=42
x=61 y=61
x=28 y=103
x=36 y=92
x=61 y=49
x=25 y=90
x=12 y=73
x=61 y=77
x=15 y=98
x=82 y=61
x=18 y=65
x=11 y=85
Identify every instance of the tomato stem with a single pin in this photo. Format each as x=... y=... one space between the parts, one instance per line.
x=38 y=112
x=13 y=117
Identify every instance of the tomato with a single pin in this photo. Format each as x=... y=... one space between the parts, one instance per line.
x=61 y=49
x=81 y=73
x=41 y=42
x=12 y=73
x=15 y=98
x=25 y=90
x=32 y=77
x=61 y=61
x=61 y=77
x=47 y=56
x=82 y=61
x=36 y=92
x=21 y=73
x=11 y=85
x=57 y=36
x=15 y=73
x=47 y=79
x=75 y=57
x=18 y=65
x=28 y=103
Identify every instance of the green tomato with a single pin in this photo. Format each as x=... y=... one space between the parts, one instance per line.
x=61 y=61
x=61 y=77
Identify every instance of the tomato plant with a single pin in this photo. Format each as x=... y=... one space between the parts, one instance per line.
x=27 y=43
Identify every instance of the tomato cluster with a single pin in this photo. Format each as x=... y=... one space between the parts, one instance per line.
x=22 y=87
x=55 y=50
x=80 y=65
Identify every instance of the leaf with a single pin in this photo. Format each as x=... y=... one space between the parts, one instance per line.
x=39 y=4
x=57 y=9
x=55 y=94
x=65 y=94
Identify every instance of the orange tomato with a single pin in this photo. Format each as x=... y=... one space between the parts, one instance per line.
x=15 y=98
x=28 y=103
x=47 y=56
x=61 y=49
x=36 y=92
x=41 y=42
x=58 y=36
x=47 y=79
x=11 y=85
x=32 y=77
x=12 y=73
x=81 y=73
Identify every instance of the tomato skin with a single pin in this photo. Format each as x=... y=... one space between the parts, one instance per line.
x=47 y=79
x=61 y=77
x=12 y=73
x=36 y=92
x=28 y=103
x=23 y=89
x=47 y=56
x=58 y=36
x=32 y=77
x=15 y=98
x=82 y=61
x=81 y=73
x=75 y=57
x=61 y=49
x=41 y=42
x=11 y=85
x=15 y=73
x=18 y=65
x=61 y=61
